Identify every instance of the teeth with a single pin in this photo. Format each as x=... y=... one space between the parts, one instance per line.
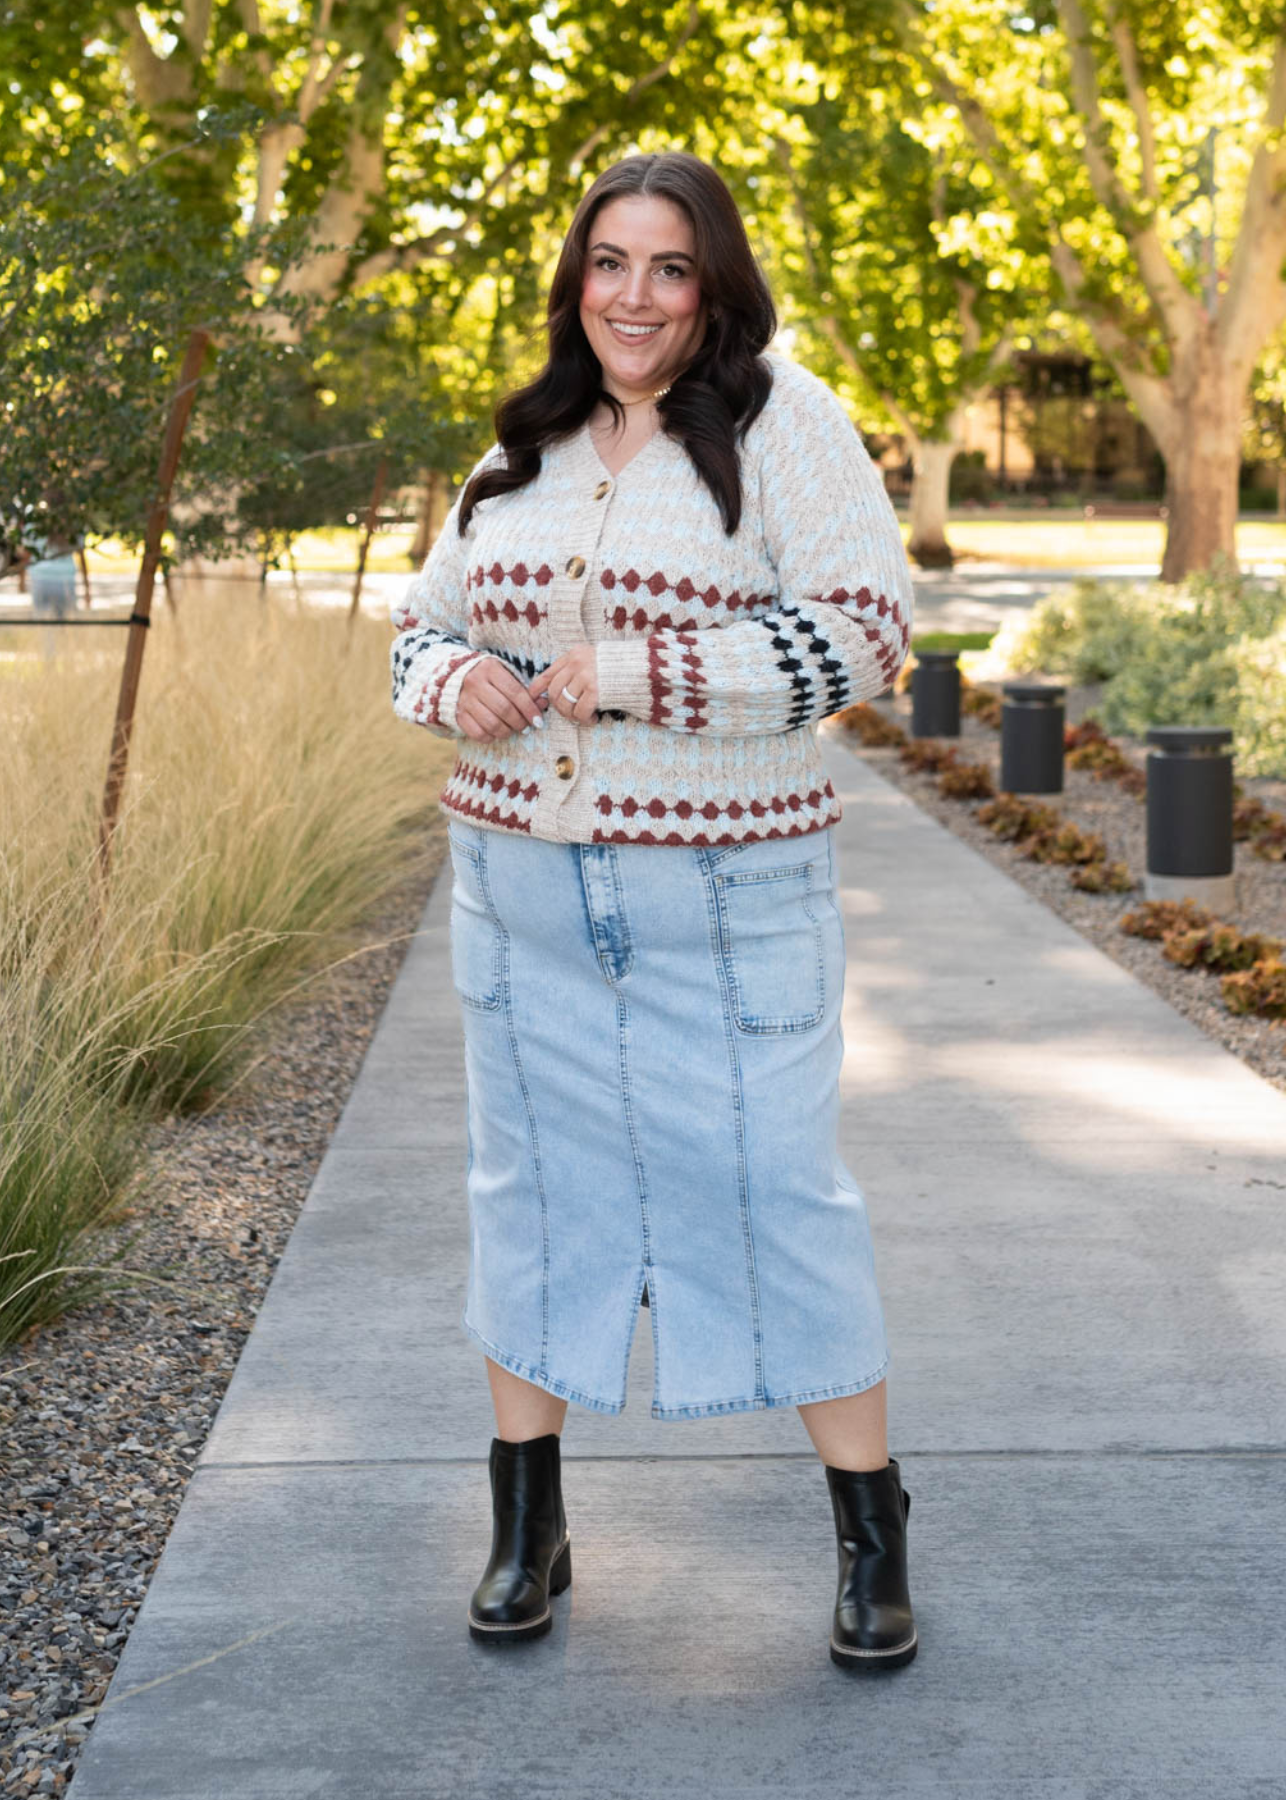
x=634 y=330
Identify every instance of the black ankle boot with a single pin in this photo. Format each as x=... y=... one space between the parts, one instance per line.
x=531 y=1553
x=873 y=1626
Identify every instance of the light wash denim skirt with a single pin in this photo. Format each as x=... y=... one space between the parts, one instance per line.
x=652 y=1050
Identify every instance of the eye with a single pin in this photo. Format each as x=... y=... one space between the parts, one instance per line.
x=676 y=269
x=601 y=262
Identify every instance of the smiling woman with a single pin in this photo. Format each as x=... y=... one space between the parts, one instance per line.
x=674 y=561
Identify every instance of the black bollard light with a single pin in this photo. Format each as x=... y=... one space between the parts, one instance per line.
x=1190 y=815
x=1031 y=738
x=935 y=694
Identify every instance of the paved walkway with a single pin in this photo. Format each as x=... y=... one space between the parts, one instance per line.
x=1078 y=1207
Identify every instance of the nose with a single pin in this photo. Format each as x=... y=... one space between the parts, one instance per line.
x=638 y=288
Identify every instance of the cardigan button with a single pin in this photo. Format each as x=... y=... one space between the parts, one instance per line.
x=565 y=765
x=576 y=566
x=604 y=487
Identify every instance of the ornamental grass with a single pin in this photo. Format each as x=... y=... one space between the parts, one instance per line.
x=272 y=801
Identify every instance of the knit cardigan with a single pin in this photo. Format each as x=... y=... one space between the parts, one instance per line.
x=716 y=654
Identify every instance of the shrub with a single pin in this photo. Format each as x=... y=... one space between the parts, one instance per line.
x=1157 y=917
x=1102 y=878
x=1064 y=843
x=1009 y=817
x=870 y=725
x=1208 y=651
x=966 y=781
x=1218 y=946
x=982 y=703
x=927 y=754
x=1261 y=990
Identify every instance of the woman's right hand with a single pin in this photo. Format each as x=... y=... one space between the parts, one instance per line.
x=493 y=703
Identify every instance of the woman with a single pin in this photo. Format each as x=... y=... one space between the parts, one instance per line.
x=677 y=557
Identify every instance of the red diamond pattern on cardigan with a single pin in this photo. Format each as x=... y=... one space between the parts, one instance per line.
x=799 y=810
x=487 y=609
x=519 y=575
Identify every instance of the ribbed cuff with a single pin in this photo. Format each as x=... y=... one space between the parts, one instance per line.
x=623 y=677
x=451 y=693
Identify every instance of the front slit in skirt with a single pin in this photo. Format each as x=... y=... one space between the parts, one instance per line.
x=652 y=1051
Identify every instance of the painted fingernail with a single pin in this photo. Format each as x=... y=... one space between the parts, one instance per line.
x=538 y=722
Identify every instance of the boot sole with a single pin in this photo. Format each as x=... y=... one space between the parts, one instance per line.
x=560 y=1579
x=855 y=1662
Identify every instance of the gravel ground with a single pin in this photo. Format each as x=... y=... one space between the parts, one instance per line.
x=1120 y=818
x=103 y=1413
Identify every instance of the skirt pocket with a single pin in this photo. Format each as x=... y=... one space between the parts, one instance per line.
x=770 y=940
x=476 y=940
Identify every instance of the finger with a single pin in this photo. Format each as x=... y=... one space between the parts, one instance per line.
x=491 y=726
x=510 y=715
x=516 y=702
x=549 y=680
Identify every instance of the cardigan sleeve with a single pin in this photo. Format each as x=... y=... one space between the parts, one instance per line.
x=841 y=625
x=431 y=654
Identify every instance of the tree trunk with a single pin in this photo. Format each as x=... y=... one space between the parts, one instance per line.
x=1203 y=468
x=929 y=489
x=435 y=504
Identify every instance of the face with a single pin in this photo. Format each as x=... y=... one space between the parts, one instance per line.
x=640 y=272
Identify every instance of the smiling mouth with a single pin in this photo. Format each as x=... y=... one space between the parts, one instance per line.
x=634 y=333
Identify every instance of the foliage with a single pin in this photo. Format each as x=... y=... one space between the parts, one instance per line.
x=1261 y=989
x=981 y=703
x=1155 y=918
x=871 y=726
x=966 y=781
x=927 y=755
x=1102 y=878
x=272 y=800
x=1264 y=829
x=1218 y=946
x=100 y=286
x=1011 y=818
x=1208 y=651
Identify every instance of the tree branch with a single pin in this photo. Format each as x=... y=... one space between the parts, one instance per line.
x=1127 y=52
x=424 y=249
x=1171 y=298
x=1255 y=299
x=657 y=73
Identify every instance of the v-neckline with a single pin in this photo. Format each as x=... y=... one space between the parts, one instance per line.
x=629 y=464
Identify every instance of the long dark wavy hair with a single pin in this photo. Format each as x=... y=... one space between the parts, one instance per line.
x=721 y=390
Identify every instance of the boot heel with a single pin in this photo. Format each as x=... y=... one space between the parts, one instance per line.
x=560 y=1575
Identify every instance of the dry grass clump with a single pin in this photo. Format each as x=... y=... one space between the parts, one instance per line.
x=272 y=800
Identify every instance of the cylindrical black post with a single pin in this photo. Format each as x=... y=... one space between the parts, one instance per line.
x=935 y=694
x=1031 y=739
x=1190 y=814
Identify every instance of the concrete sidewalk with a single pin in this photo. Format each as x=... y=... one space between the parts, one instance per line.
x=1079 y=1210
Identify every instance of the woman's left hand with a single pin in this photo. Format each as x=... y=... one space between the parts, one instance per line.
x=576 y=669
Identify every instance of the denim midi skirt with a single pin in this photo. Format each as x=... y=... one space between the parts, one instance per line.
x=652 y=1051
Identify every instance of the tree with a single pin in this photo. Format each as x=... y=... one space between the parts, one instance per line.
x=1145 y=145
x=100 y=288
x=902 y=264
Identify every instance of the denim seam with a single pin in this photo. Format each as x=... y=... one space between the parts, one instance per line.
x=640 y=1173
x=479 y=1002
x=715 y=925
x=506 y=991
x=706 y=1408
x=517 y=1365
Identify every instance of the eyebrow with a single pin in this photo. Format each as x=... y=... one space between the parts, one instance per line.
x=661 y=255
